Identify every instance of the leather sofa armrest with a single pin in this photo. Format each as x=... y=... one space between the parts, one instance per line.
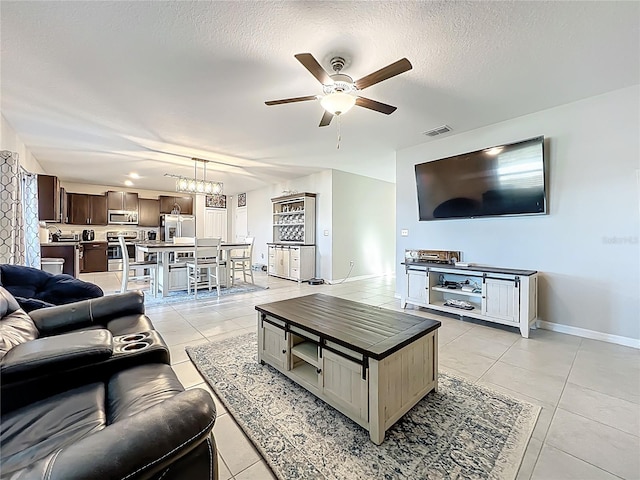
x=49 y=355
x=87 y=313
x=141 y=446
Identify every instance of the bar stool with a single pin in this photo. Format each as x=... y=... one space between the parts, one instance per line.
x=242 y=263
x=207 y=258
x=128 y=265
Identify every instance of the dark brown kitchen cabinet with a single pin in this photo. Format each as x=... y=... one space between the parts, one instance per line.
x=98 y=204
x=148 y=212
x=86 y=209
x=69 y=253
x=127 y=201
x=49 y=199
x=184 y=204
x=94 y=257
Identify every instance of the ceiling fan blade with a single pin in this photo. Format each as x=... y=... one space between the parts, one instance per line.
x=310 y=63
x=389 y=71
x=377 y=106
x=326 y=119
x=291 y=100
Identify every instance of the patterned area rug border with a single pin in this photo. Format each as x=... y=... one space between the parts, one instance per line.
x=472 y=432
x=182 y=296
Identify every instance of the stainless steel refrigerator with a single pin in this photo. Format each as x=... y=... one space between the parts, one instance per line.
x=177 y=226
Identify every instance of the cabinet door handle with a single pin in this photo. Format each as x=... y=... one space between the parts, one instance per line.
x=318 y=371
x=284 y=351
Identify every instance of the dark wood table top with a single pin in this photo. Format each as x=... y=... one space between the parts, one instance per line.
x=372 y=331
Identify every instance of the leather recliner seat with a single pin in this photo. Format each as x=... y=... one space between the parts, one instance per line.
x=137 y=424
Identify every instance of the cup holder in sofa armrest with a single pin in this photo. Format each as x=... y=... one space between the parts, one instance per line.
x=132 y=338
x=137 y=342
x=135 y=346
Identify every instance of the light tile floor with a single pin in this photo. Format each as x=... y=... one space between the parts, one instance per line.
x=589 y=391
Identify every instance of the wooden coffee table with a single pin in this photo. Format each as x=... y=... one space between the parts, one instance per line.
x=370 y=363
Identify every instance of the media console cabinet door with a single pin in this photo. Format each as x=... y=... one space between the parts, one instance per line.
x=417 y=285
x=500 y=300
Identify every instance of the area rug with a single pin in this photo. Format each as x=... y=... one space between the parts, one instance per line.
x=464 y=431
x=182 y=296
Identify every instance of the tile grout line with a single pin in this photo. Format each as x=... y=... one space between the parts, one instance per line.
x=555 y=410
x=584 y=461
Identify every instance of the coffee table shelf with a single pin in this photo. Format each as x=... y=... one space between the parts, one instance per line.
x=307 y=373
x=307 y=351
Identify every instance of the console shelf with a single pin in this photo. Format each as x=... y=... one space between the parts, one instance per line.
x=456 y=291
x=508 y=296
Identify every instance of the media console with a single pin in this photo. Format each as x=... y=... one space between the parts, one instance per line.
x=493 y=294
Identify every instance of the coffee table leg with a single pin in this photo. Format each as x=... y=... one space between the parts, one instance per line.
x=376 y=404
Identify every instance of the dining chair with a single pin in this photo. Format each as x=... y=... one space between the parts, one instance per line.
x=205 y=264
x=242 y=263
x=128 y=266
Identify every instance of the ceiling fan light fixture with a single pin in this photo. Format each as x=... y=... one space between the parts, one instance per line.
x=338 y=103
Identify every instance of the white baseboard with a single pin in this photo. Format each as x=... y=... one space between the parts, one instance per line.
x=361 y=277
x=592 y=334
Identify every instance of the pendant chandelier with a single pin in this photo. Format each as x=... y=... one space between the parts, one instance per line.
x=194 y=185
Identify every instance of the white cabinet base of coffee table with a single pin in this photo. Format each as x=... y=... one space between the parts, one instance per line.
x=375 y=380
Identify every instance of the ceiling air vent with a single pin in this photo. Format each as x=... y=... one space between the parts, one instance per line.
x=438 y=131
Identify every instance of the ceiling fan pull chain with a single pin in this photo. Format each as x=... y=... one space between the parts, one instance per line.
x=339 y=137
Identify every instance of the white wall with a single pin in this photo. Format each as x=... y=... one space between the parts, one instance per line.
x=260 y=219
x=356 y=212
x=586 y=248
x=9 y=140
x=364 y=212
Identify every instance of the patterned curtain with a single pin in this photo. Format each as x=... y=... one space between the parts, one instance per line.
x=30 y=219
x=12 y=244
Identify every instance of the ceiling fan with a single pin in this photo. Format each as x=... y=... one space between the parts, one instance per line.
x=340 y=90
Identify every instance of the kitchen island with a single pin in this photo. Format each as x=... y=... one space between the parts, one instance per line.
x=171 y=258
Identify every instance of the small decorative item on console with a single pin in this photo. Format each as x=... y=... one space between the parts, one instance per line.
x=433 y=256
x=458 y=304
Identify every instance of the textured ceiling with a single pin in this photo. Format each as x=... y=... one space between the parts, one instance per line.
x=99 y=89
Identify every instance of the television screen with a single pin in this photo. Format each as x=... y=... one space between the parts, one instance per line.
x=504 y=180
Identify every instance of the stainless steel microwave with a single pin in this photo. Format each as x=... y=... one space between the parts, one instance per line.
x=123 y=217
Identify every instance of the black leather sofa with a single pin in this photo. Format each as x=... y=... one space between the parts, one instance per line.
x=87 y=395
x=35 y=288
x=84 y=340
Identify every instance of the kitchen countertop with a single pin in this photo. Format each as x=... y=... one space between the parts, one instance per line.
x=292 y=244
x=60 y=244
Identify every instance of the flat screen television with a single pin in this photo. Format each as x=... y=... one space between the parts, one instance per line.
x=504 y=180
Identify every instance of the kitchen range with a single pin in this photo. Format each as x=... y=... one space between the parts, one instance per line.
x=131 y=237
x=114 y=251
